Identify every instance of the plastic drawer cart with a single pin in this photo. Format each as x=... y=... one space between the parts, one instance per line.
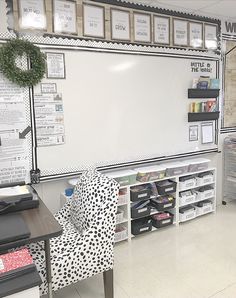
x=229 y=186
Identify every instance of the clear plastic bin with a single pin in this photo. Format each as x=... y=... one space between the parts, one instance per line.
x=198 y=164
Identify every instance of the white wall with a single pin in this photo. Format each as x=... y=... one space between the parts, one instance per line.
x=3 y=22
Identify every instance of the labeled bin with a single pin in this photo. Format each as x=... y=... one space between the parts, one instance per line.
x=150 y=173
x=187 y=197
x=140 y=212
x=176 y=168
x=198 y=164
x=205 y=192
x=204 y=208
x=140 y=192
x=166 y=187
x=159 y=222
x=163 y=203
x=140 y=226
x=124 y=177
x=187 y=213
x=187 y=182
x=205 y=178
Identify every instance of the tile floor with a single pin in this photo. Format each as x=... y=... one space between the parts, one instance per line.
x=196 y=260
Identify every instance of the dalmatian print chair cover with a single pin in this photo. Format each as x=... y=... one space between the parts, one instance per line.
x=86 y=246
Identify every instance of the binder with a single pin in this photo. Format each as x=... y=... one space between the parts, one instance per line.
x=17 y=198
x=13 y=228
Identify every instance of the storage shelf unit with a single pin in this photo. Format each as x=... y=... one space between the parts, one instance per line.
x=176 y=194
x=124 y=202
x=229 y=168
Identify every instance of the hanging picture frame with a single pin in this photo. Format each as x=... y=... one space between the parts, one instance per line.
x=64 y=17
x=32 y=15
x=210 y=36
x=142 y=27
x=207 y=132
x=161 y=30
x=120 y=24
x=180 y=32
x=55 y=65
x=195 y=34
x=93 y=21
x=193 y=133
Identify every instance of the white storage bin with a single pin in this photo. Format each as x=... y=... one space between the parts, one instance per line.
x=176 y=168
x=206 y=194
x=187 y=215
x=121 y=233
x=198 y=164
x=122 y=200
x=205 y=178
x=123 y=196
x=204 y=210
x=187 y=182
x=119 y=216
x=186 y=197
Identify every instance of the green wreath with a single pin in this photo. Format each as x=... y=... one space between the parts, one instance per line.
x=17 y=48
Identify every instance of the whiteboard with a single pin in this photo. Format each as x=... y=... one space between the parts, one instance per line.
x=122 y=108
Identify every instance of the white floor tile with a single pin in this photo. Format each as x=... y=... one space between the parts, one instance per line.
x=195 y=260
x=93 y=287
x=229 y=292
x=68 y=292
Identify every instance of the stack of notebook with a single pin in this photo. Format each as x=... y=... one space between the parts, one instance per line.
x=17 y=272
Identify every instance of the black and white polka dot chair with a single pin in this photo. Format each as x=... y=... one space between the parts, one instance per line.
x=86 y=245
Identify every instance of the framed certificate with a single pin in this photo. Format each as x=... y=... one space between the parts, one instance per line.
x=32 y=14
x=64 y=17
x=161 y=30
x=210 y=36
x=195 y=35
x=180 y=32
x=93 y=21
x=55 y=65
x=142 y=27
x=120 y=24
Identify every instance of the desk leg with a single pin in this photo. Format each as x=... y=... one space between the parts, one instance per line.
x=48 y=267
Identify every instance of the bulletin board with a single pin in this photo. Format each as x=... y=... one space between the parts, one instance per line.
x=15 y=133
x=121 y=108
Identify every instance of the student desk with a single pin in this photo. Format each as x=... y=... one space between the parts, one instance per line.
x=42 y=226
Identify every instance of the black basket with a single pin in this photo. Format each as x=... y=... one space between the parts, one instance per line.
x=141 y=226
x=167 y=188
x=163 y=222
x=164 y=206
x=140 y=212
x=142 y=194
